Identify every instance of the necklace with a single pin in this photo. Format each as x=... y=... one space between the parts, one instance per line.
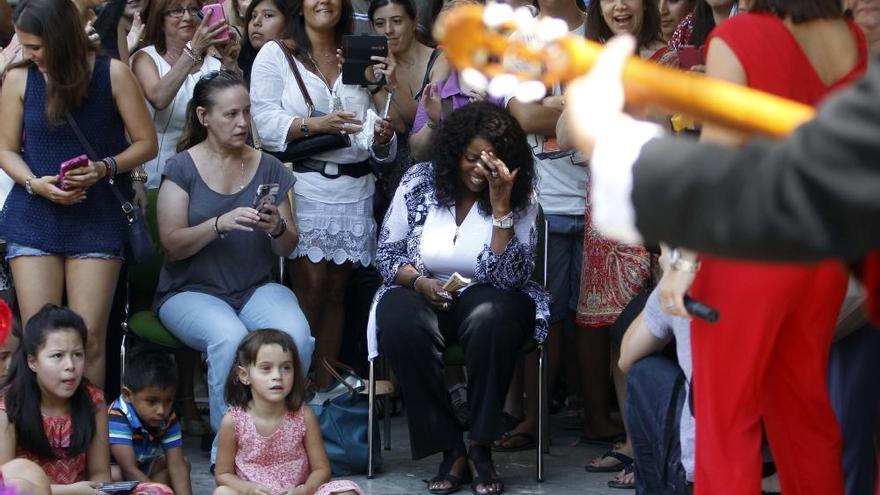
x=457 y=225
x=323 y=77
x=241 y=176
x=337 y=103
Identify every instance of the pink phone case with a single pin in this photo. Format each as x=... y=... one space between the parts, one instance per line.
x=214 y=12
x=73 y=163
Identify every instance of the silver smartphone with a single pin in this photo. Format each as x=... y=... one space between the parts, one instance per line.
x=266 y=195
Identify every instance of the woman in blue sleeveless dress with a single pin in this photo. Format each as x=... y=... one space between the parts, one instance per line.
x=68 y=241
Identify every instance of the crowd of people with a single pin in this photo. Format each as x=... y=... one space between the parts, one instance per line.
x=414 y=180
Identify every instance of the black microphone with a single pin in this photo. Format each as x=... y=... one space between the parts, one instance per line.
x=700 y=310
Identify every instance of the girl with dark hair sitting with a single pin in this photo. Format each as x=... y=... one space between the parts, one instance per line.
x=270 y=440
x=51 y=415
x=471 y=211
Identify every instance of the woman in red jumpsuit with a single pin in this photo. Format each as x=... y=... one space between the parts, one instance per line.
x=765 y=361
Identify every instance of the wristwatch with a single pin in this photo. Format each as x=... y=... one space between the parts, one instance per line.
x=304 y=128
x=680 y=264
x=505 y=222
x=281 y=231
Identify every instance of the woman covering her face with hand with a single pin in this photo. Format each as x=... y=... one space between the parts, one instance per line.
x=472 y=212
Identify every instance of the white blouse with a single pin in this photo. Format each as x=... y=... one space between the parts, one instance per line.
x=276 y=100
x=447 y=248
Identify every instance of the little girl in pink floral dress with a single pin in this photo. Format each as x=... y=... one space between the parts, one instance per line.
x=270 y=442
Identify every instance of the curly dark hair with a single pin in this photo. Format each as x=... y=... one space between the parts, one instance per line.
x=497 y=126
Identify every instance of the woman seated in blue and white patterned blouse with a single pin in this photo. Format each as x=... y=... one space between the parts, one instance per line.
x=471 y=211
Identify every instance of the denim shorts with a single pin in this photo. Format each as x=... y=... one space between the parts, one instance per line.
x=15 y=250
x=564 y=263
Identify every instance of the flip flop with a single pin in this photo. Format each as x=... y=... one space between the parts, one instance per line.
x=623 y=486
x=624 y=461
x=503 y=445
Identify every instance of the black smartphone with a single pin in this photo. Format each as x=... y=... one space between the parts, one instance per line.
x=266 y=195
x=119 y=486
x=357 y=50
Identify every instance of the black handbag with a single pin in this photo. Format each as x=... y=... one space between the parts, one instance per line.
x=140 y=244
x=306 y=147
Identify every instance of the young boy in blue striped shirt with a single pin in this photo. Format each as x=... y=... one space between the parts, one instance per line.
x=145 y=439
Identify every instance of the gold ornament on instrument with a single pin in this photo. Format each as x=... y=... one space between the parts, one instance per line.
x=509 y=52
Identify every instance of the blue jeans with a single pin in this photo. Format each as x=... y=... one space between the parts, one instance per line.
x=207 y=324
x=654 y=399
x=853 y=373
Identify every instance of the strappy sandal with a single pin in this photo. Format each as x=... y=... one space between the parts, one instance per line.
x=444 y=473
x=480 y=460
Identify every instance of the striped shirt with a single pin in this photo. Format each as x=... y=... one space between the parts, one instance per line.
x=148 y=444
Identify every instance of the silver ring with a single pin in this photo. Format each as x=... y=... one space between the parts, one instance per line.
x=341 y=131
x=494 y=174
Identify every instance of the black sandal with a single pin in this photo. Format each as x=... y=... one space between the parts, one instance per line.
x=480 y=459
x=444 y=473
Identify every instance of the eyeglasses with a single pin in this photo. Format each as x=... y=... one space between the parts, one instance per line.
x=177 y=12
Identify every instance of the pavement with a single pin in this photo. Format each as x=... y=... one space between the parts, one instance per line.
x=401 y=475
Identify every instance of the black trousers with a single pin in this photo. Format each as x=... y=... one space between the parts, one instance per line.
x=492 y=326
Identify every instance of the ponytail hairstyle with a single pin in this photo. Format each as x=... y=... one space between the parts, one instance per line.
x=65 y=52
x=23 y=396
x=239 y=394
x=203 y=96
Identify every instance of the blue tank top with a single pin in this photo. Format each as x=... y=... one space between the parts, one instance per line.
x=95 y=225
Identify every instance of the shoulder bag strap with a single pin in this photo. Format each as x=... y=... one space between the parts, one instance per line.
x=299 y=80
x=431 y=60
x=127 y=207
x=445 y=108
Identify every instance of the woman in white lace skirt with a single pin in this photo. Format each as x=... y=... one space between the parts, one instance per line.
x=334 y=190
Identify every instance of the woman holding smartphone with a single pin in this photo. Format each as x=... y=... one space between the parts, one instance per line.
x=334 y=190
x=177 y=38
x=216 y=284
x=68 y=243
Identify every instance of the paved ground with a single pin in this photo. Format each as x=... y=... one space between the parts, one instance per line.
x=565 y=469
